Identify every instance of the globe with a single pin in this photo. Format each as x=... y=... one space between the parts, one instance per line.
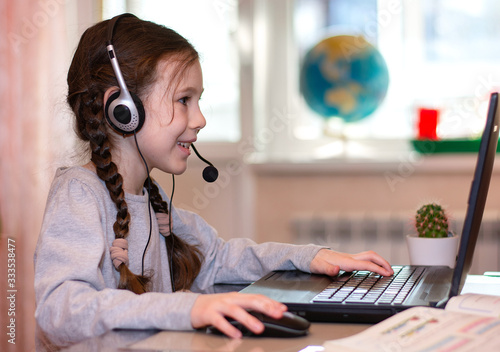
x=344 y=76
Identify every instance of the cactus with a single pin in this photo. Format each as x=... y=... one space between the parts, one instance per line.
x=431 y=221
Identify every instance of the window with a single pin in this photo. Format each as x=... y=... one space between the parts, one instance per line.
x=441 y=54
x=211 y=27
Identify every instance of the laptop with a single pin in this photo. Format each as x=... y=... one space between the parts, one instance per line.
x=312 y=296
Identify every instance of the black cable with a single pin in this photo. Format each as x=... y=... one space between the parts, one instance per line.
x=151 y=219
x=171 y=234
x=149 y=202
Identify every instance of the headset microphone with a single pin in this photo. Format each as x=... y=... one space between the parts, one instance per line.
x=210 y=173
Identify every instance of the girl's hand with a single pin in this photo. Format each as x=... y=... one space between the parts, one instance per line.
x=329 y=262
x=211 y=309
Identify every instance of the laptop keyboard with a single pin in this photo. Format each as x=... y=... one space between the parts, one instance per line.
x=367 y=287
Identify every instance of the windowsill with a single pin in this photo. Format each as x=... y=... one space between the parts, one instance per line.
x=429 y=164
x=396 y=156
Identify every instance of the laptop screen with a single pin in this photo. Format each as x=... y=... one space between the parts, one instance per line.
x=477 y=196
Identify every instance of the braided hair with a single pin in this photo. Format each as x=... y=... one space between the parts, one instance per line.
x=141 y=45
x=185 y=258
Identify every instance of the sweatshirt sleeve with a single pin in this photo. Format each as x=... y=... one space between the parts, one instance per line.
x=239 y=260
x=75 y=282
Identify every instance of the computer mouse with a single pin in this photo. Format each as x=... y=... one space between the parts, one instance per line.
x=290 y=325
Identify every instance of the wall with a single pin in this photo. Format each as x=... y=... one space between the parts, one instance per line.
x=261 y=201
x=226 y=204
x=281 y=198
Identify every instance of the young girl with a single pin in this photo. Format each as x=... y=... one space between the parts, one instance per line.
x=112 y=253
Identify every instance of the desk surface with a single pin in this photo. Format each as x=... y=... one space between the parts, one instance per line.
x=201 y=341
x=142 y=341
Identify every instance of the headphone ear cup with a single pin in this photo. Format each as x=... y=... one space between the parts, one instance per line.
x=140 y=110
x=118 y=114
x=110 y=116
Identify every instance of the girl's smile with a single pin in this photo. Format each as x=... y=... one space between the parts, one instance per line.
x=185 y=147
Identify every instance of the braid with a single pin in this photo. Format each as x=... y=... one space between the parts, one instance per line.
x=186 y=259
x=95 y=130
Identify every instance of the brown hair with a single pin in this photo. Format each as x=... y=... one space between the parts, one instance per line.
x=140 y=46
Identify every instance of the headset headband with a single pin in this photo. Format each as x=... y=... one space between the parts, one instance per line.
x=112 y=25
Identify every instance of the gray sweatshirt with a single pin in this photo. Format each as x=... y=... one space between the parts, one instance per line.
x=76 y=283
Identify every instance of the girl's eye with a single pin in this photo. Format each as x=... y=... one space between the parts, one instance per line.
x=184 y=100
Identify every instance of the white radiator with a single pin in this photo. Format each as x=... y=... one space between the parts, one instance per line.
x=385 y=234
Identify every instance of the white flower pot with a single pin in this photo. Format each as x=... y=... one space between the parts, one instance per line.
x=433 y=251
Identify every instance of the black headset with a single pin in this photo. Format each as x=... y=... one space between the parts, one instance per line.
x=124 y=110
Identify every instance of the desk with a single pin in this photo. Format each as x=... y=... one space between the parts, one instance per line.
x=200 y=341
x=150 y=340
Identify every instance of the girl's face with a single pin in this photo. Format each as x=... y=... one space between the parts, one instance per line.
x=173 y=118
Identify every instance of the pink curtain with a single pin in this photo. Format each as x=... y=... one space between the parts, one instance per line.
x=33 y=132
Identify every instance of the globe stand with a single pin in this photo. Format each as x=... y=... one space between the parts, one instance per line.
x=334 y=128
